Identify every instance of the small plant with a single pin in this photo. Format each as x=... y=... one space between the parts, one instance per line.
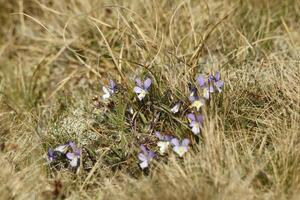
x=72 y=154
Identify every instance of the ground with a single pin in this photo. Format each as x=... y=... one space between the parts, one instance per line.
x=55 y=57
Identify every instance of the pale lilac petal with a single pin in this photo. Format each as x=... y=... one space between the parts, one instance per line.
x=219 y=84
x=142 y=157
x=147 y=83
x=139 y=82
x=201 y=81
x=72 y=145
x=112 y=86
x=70 y=156
x=199 y=119
x=210 y=78
x=192 y=97
x=151 y=155
x=138 y=90
x=217 y=76
x=51 y=155
x=77 y=152
x=211 y=89
x=144 y=149
x=175 y=142
x=168 y=138
x=158 y=135
x=144 y=164
x=191 y=116
x=185 y=142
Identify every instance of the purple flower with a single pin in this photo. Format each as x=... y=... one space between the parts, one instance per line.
x=110 y=90
x=205 y=86
x=51 y=155
x=196 y=101
x=164 y=142
x=195 y=122
x=180 y=148
x=142 y=88
x=216 y=79
x=145 y=157
x=54 y=153
x=74 y=155
x=213 y=81
x=176 y=108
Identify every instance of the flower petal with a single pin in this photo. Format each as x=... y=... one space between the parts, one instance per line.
x=158 y=135
x=106 y=96
x=176 y=108
x=211 y=89
x=201 y=80
x=74 y=162
x=147 y=83
x=163 y=146
x=138 y=90
x=151 y=155
x=144 y=149
x=217 y=76
x=206 y=93
x=191 y=116
x=180 y=150
x=142 y=157
x=70 y=156
x=197 y=104
x=196 y=129
x=139 y=82
x=219 y=85
x=112 y=84
x=175 y=142
x=185 y=142
x=199 y=118
x=144 y=164
x=142 y=95
x=61 y=148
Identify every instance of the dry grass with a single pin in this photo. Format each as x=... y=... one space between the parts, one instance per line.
x=54 y=56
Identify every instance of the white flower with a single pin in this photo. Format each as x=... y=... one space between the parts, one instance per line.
x=107 y=93
x=163 y=146
x=176 y=108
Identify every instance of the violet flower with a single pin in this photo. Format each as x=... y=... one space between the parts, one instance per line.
x=196 y=101
x=54 y=153
x=195 y=122
x=207 y=87
x=74 y=156
x=142 y=88
x=51 y=155
x=180 y=148
x=164 y=142
x=176 y=108
x=110 y=90
x=145 y=157
x=216 y=79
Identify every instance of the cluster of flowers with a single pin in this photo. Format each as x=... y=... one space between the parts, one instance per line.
x=213 y=83
x=146 y=155
x=69 y=152
x=208 y=86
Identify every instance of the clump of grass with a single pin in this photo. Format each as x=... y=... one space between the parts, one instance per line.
x=56 y=56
